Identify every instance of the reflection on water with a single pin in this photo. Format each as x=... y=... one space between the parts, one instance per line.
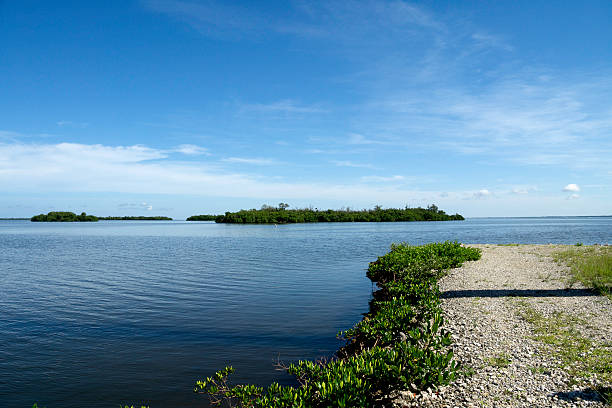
x=110 y=312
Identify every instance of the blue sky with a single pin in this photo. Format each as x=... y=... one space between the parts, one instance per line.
x=183 y=107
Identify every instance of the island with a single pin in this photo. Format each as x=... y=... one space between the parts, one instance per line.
x=282 y=215
x=63 y=216
x=67 y=216
x=203 y=217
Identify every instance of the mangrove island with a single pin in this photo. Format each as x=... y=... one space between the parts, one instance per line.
x=282 y=215
x=63 y=216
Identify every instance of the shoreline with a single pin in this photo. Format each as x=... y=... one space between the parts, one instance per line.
x=524 y=338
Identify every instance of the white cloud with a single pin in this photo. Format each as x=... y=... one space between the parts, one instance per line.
x=347 y=163
x=357 y=139
x=573 y=196
x=572 y=187
x=135 y=206
x=284 y=106
x=69 y=167
x=254 y=161
x=484 y=193
x=523 y=189
x=69 y=123
x=190 y=149
x=382 y=179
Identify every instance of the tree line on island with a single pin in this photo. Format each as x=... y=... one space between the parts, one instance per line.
x=67 y=216
x=282 y=215
x=278 y=215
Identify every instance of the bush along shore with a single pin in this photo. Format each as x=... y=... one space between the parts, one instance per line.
x=281 y=215
x=399 y=345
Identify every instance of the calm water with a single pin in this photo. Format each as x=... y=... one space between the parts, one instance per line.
x=134 y=312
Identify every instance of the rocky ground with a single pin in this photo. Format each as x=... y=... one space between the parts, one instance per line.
x=524 y=338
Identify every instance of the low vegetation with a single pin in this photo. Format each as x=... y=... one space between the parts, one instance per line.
x=282 y=215
x=590 y=265
x=579 y=355
x=203 y=217
x=400 y=343
x=63 y=216
x=66 y=216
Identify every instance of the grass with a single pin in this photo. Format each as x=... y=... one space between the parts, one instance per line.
x=590 y=265
x=579 y=355
x=501 y=360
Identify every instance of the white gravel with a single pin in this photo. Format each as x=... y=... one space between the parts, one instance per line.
x=482 y=302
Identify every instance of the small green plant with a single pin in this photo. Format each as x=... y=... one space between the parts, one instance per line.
x=578 y=243
x=500 y=361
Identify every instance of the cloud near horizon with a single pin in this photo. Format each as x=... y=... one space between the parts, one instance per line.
x=128 y=170
x=72 y=167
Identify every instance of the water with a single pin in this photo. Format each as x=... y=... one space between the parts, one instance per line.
x=99 y=314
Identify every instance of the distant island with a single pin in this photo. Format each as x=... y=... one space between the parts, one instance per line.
x=67 y=216
x=137 y=218
x=281 y=215
x=203 y=217
x=63 y=216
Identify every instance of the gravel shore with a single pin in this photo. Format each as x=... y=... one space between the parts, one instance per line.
x=517 y=327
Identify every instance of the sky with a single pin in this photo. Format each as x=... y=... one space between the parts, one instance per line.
x=182 y=107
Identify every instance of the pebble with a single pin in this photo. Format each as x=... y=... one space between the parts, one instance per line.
x=489 y=325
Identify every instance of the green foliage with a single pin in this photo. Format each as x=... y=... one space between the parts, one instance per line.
x=400 y=344
x=281 y=215
x=203 y=217
x=500 y=360
x=63 y=216
x=406 y=263
x=591 y=265
x=137 y=218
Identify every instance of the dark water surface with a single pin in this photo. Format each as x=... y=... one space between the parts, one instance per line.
x=99 y=314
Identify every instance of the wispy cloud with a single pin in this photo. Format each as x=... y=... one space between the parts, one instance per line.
x=382 y=179
x=191 y=150
x=340 y=21
x=142 y=170
x=519 y=119
x=483 y=193
x=258 y=161
x=69 y=123
x=284 y=106
x=135 y=206
x=357 y=139
x=519 y=190
x=486 y=40
x=217 y=19
x=347 y=163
